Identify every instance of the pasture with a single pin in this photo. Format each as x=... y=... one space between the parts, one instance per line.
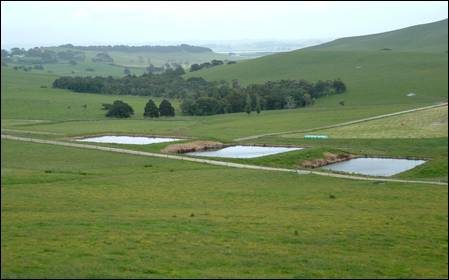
x=75 y=213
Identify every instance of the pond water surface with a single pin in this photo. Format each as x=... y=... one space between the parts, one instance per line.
x=136 y=140
x=244 y=152
x=374 y=166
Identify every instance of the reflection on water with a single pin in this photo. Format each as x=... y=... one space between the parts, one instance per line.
x=244 y=152
x=375 y=166
x=136 y=140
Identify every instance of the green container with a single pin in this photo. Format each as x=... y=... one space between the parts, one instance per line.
x=316 y=137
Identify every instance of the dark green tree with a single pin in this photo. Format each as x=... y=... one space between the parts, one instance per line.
x=126 y=71
x=195 y=67
x=120 y=109
x=339 y=86
x=166 y=109
x=258 y=108
x=248 y=107
x=151 y=110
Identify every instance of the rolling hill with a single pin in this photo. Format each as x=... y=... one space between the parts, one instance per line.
x=430 y=37
x=417 y=63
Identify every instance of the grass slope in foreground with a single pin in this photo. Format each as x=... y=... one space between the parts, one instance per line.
x=76 y=213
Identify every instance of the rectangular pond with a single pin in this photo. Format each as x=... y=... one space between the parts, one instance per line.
x=374 y=166
x=135 y=140
x=244 y=152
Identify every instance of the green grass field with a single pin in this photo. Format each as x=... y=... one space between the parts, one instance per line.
x=76 y=213
x=28 y=100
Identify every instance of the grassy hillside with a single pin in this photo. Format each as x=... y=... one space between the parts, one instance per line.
x=372 y=76
x=431 y=37
x=27 y=95
x=23 y=98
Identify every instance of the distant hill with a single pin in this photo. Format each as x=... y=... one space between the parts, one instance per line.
x=125 y=48
x=431 y=37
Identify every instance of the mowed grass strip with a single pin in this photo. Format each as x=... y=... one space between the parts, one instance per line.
x=75 y=213
x=431 y=123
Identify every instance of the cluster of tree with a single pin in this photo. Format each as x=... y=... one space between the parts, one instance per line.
x=283 y=94
x=39 y=67
x=6 y=56
x=24 y=68
x=120 y=109
x=165 y=109
x=214 y=62
x=70 y=55
x=168 y=84
x=125 y=48
x=103 y=58
x=29 y=68
x=166 y=67
x=200 y=97
x=40 y=56
x=154 y=69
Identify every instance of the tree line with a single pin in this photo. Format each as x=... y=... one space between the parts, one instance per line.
x=215 y=62
x=201 y=97
x=41 y=56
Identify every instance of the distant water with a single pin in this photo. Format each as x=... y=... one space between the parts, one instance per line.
x=244 y=152
x=375 y=166
x=136 y=140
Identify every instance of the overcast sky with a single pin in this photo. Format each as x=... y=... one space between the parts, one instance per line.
x=84 y=23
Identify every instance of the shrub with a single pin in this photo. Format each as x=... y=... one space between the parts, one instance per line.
x=120 y=109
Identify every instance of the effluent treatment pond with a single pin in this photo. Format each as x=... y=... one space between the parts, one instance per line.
x=375 y=166
x=135 y=140
x=244 y=152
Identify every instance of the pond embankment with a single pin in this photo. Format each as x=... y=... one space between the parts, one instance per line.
x=195 y=146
